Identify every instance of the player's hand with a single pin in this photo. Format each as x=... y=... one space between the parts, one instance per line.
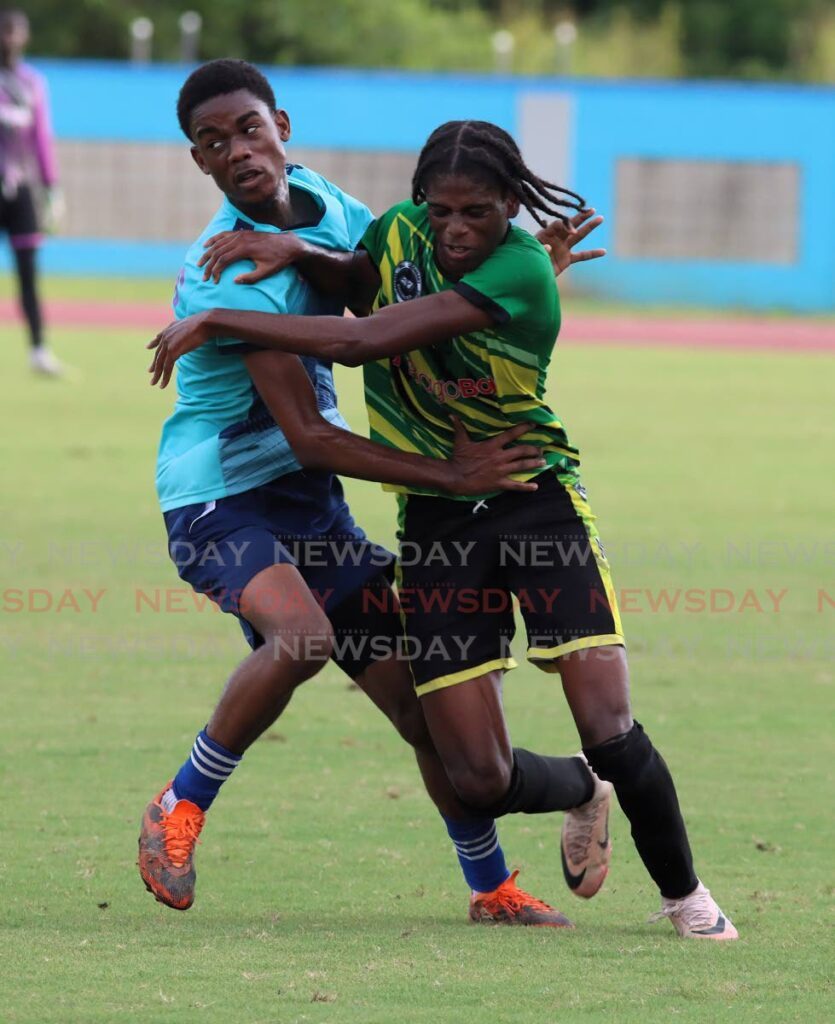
x=560 y=239
x=55 y=209
x=477 y=467
x=174 y=341
x=269 y=252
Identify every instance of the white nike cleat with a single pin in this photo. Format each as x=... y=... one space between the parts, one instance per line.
x=41 y=360
x=697 y=916
x=585 y=846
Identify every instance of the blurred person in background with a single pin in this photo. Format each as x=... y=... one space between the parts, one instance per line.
x=28 y=173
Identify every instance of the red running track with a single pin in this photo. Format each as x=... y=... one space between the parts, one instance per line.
x=792 y=335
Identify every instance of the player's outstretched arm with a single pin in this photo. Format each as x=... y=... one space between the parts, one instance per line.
x=390 y=331
x=474 y=468
x=350 y=277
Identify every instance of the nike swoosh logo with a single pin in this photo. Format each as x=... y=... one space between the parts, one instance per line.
x=571 y=880
x=717 y=929
x=604 y=842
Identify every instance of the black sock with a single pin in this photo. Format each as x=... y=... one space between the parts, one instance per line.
x=646 y=792
x=26 y=276
x=541 y=784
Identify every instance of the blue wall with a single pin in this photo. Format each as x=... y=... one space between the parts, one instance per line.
x=717 y=122
x=397 y=110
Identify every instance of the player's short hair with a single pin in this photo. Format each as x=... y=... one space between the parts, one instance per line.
x=488 y=153
x=216 y=78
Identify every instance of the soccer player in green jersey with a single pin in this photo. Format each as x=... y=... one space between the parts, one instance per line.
x=465 y=315
x=256 y=518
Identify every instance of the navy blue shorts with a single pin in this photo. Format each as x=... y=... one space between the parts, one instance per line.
x=301 y=519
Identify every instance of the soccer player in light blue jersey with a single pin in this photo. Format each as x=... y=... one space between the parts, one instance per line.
x=197 y=462
x=255 y=516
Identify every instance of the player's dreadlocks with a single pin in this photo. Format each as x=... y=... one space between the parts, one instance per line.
x=484 y=150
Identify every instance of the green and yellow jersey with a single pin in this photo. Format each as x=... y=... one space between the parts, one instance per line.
x=491 y=379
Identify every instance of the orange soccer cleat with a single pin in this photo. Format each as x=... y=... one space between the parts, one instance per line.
x=166 y=848
x=511 y=905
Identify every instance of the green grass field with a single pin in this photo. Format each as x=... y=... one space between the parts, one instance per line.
x=327 y=889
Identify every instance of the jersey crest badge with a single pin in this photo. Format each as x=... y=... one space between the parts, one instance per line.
x=408 y=284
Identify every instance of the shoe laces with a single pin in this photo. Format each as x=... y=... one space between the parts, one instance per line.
x=181 y=828
x=696 y=912
x=511 y=898
x=578 y=839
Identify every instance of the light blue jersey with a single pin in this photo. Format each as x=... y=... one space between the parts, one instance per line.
x=221 y=439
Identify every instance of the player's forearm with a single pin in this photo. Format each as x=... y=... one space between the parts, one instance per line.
x=392 y=331
x=339 y=451
x=337 y=274
x=286 y=390
x=324 y=337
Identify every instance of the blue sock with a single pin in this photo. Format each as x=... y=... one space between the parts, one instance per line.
x=479 y=852
x=209 y=765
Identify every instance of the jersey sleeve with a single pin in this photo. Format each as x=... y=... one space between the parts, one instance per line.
x=194 y=295
x=357 y=216
x=44 y=142
x=514 y=283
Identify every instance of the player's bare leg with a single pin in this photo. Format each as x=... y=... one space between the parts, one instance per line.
x=255 y=695
x=388 y=683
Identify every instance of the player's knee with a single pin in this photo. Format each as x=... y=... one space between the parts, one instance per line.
x=606 y=723
x=480 y=785
x=597 y=686
x=622 y=759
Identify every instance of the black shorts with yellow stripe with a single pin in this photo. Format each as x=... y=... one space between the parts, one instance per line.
x=463 y=562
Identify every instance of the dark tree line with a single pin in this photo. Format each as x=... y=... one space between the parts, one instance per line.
x=715 y=38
